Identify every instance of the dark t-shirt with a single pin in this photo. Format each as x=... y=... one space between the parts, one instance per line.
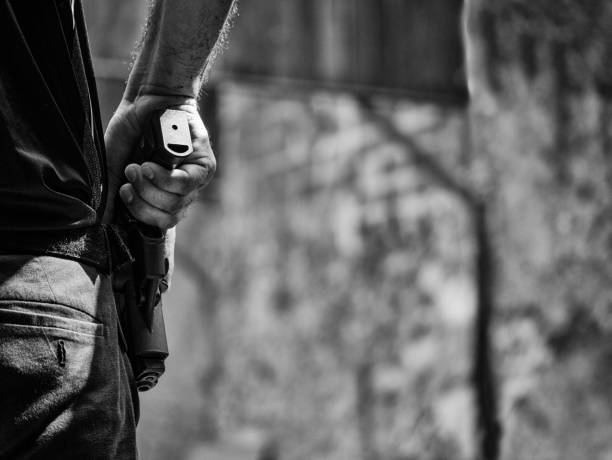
x=52 y=170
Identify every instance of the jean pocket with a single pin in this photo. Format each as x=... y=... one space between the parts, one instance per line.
x=46 y=361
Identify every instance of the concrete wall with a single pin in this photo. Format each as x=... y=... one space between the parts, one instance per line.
x=334 y=283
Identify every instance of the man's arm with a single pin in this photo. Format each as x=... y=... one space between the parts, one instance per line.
x=181 y=39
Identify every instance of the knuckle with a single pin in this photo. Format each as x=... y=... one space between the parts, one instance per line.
x=190 y=199
x=176 y=205
x=209 y=172
x=212 y=168
x=203 y=142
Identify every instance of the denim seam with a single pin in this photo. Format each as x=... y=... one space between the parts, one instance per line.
x=55 y=302
x=55 y=328
x=93 y=320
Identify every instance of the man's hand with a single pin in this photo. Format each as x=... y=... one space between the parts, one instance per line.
x=179 y=44
x=153 y=194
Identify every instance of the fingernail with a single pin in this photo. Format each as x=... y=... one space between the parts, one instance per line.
x=128 y=196
x=148 y=172
x=130 y=174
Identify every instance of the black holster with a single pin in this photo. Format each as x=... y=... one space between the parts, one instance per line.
x=138 y=296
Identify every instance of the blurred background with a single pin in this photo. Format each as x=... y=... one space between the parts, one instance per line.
x=383 y=269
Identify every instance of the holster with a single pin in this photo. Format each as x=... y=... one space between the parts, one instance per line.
x=137 y=287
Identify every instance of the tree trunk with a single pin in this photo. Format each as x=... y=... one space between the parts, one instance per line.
x=539 y=77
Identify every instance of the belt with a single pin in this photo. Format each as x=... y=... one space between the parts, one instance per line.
x=100 y=245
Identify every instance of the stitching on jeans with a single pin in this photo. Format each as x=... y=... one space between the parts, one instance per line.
x=10 y=300
x=56 y=328
x=51 y=350
x=40 y=266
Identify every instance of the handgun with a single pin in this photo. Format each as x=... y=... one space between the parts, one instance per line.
x=166 y=141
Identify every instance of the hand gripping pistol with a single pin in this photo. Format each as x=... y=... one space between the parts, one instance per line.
x=166 y=141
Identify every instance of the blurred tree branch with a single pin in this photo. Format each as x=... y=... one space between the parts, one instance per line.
x=483 y=378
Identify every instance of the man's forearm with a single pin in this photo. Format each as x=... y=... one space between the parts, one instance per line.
x=180 y=41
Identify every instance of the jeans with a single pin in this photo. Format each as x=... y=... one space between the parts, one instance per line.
x=66 y=388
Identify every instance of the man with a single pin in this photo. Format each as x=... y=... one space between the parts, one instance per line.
x=66 y=389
